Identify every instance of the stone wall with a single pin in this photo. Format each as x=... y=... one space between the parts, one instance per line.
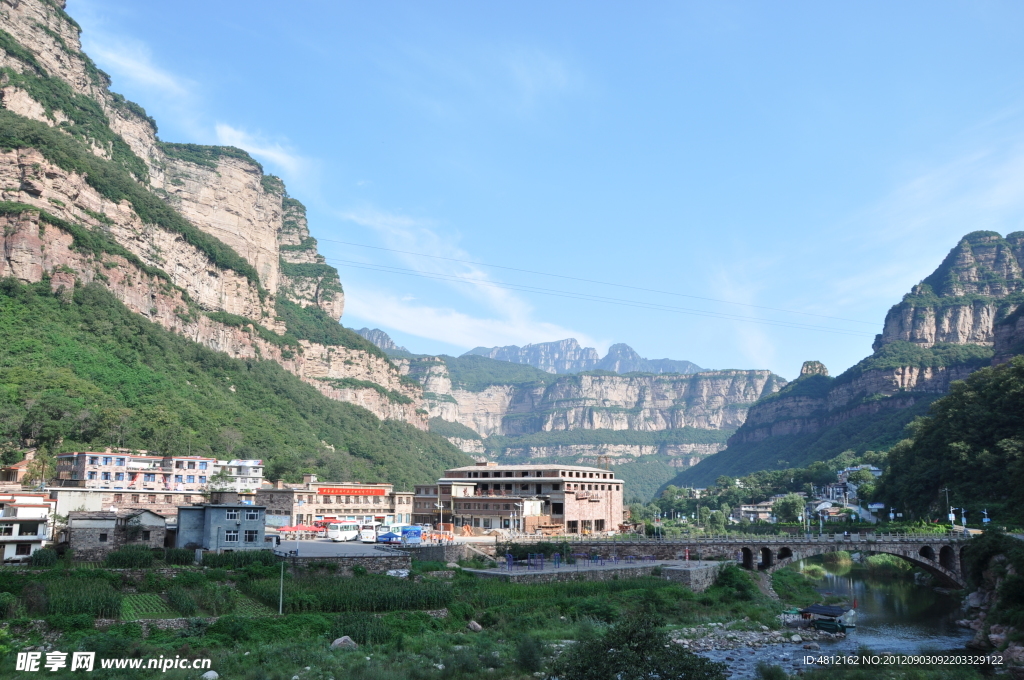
x=343 y=565
x=697 y=576
x=438 y=553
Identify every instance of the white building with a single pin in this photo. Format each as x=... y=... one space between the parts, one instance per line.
x=246 y=476
x=26 y=524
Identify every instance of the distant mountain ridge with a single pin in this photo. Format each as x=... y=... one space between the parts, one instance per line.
x=381 y=339
x=566 y=356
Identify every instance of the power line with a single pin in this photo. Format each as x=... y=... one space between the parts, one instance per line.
x=603 y=283
x=591 y=298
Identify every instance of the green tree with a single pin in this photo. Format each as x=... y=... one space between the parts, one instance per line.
x=789 y=507
x=716 y=522
x=704 y=515
x=634 y=649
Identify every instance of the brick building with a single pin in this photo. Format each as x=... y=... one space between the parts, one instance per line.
x=163 y=503
x=133 y=470
x=550 y=498
x=91 y=535
x=311 y=501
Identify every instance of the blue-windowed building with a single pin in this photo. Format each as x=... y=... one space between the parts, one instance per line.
x=222 y=526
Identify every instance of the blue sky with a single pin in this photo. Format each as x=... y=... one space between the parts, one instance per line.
x=760 y=181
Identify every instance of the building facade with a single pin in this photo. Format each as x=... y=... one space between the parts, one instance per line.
x=132 y=470
x=91 y=535
x=227 y=526
x=26 y=524
x=165 y=503
x=532 y=498
x=244 y=476
x=314 y=501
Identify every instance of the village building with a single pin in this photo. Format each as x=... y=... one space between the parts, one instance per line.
x=90 y=535
x=133 y=471
x=222 y=526
x=161 y=502
x=315 y=501
x=26 y=524
x=244 y=476
x=531 y=498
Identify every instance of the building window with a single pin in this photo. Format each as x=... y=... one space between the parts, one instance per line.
x=152 y=498
x=119 y=476
x=191 y=465
x=231 y=514
x=106 y=460
x=556 y=487
x=251 y=535
x=149 y=477
x=487 y=522
x=94 y=460
x=145 y=535
x=187 y=499
x=202 y=479
x=117 y=497
x=90 y=475
x=508 y=506
x=23 y=549
x=557 y=509
x=120 y=461
x=252 y=515
x=202 y=465
x=6 y=529
x=135 y=498
x=105 y=476
x=524 y=487
x=103 y=538
x=190 y=479
x=231 y=536
x=28 y=529
x=178 y=479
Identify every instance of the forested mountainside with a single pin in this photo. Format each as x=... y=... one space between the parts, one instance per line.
x=195 y=239
x=959 y=319
x=566 y=356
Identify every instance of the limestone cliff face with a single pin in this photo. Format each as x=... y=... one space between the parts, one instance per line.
x=306 y=278
x=679 y=455
x=1009 y=337
x=622 y=358
x=220 y=190
x=708 y=400
x=978 y=284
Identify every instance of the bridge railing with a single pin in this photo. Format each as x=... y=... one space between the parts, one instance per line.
x=741 y=539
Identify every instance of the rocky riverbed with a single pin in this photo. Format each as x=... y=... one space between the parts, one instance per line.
x=720 y=636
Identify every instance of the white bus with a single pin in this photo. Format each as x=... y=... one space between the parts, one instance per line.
x=368 y=532
x=343 y=531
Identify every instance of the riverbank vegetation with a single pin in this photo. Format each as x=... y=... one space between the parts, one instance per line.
x=405 y=628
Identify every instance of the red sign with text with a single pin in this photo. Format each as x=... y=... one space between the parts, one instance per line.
x=326 y=491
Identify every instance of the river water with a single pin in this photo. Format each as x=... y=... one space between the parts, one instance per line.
x=893 y=615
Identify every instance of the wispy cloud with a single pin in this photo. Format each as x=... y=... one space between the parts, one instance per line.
x=289 y=161
x=511 y=316
x=133 y=61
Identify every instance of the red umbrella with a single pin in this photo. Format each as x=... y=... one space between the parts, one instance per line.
x=288 y=528
x=304 y=527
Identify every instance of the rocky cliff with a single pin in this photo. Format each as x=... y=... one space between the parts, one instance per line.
x=561 y=356
x=381 y=339
x=195 y=238
x=622 y=358
x=949 y=325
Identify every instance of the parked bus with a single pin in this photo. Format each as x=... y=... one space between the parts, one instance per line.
x=368 y=532
x=343 y=531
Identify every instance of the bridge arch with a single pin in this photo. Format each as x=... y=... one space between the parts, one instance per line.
x=947 y=558
x=946 y=566
x=748 y=559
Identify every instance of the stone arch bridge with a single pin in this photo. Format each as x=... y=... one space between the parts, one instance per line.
x=939 y=555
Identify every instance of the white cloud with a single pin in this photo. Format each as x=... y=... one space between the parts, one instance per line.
x=513 y=319
x=289 y=162
x=449 y=325
x=133 y=61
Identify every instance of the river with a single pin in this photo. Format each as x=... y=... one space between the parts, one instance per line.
x=893 y=615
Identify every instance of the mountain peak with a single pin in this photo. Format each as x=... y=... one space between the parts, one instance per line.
x=381 y=339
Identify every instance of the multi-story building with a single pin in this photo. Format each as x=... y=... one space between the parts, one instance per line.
x=551 y=498
x=165 y=503
x=311 y=501
x=133 y=470
x=246 y=476
x=221 y=526
x=26 y=524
